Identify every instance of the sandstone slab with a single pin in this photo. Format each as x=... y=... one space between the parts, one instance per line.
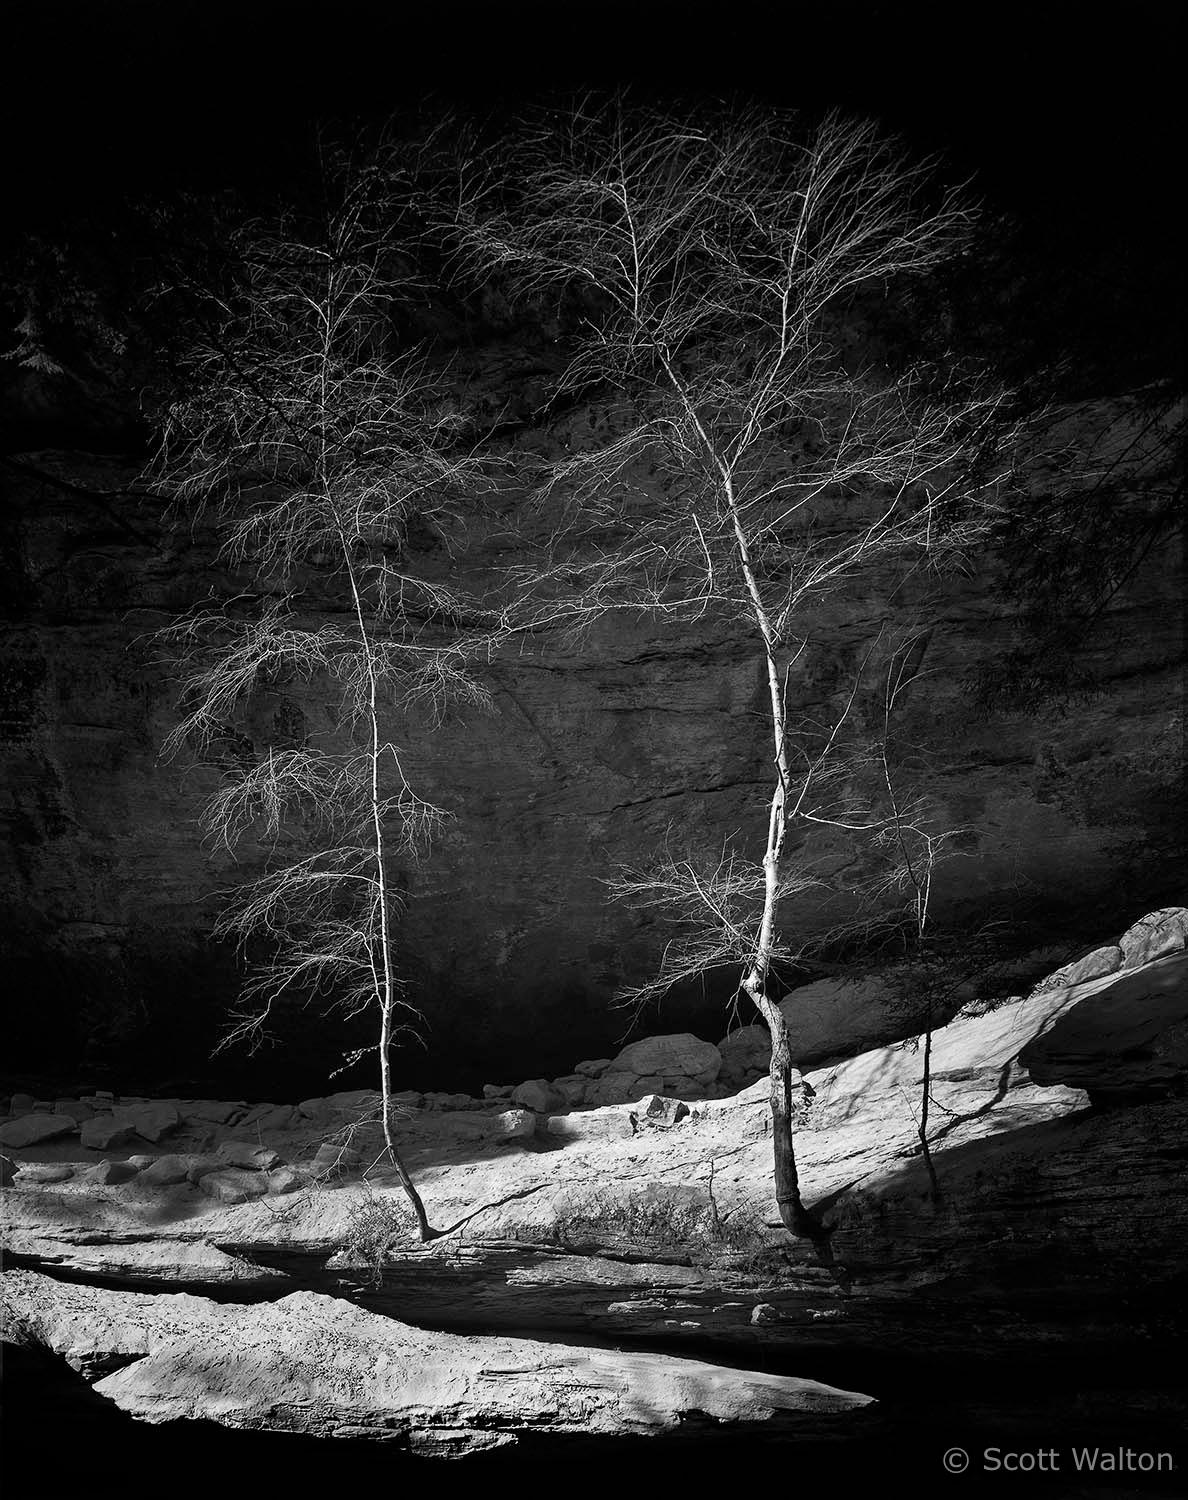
x=318 y=1365
x=1091 y=966
x=46 y=1172
x=1153 y=936
x=107 y=1133
x=32 y=1130
x=212 y=1111
x=1126 y=1042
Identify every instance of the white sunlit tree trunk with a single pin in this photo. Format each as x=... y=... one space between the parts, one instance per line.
x=322 y=443
x=701 y=268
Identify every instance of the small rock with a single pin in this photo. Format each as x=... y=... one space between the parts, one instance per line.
x=515 y=1124
x=659 y=1111
x=31 y=1130
x=593 y=1069
x=38 y=1171
x=232 y=1186
x=112 y=1173
x=7 y=1171
x=141 y=1162
x=107 y=1133
x=21 y=1104
x=165 y=1171
x=538 y=1094
x=283 y=1181
x=497 y=1090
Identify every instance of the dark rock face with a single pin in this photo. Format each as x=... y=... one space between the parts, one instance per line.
x=590 y=756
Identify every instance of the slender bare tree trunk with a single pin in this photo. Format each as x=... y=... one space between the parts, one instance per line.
x=385 y=988
x=796 y=1218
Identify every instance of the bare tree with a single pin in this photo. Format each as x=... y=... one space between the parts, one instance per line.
x=703 y=270
x=322 y=443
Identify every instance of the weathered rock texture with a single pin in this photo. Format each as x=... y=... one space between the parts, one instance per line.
x=318 y=1365
x=591 y=755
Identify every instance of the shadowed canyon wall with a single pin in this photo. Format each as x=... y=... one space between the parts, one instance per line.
x=591 y=756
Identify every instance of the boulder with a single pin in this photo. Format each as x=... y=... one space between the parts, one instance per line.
x=257 y=1112
x=745 y=1054
x=233 y=1186
x=1091 y=966
x=655 y=1110
x=32 y=1130
x=1152 y=936
x=151 y=1121
x=213 y=1111
x=682 y=1054
x=538 y=1094
x=575 y=1090
x=75 y=1108
x=615 y=1088
x=840 y=1017
x=497 y=1090
x=197 y=1170
x=46 y=1171
x=7 y=1171
x=283 y=1181
x=677 y=1086
x=515 y=1124
x=249 y=1157
x=1126 y=1043
x=107 y=1133
x=21 y=1104
x=593 y=1069
x=165 y=1171
x=409 y=1099
x=112 y=1173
